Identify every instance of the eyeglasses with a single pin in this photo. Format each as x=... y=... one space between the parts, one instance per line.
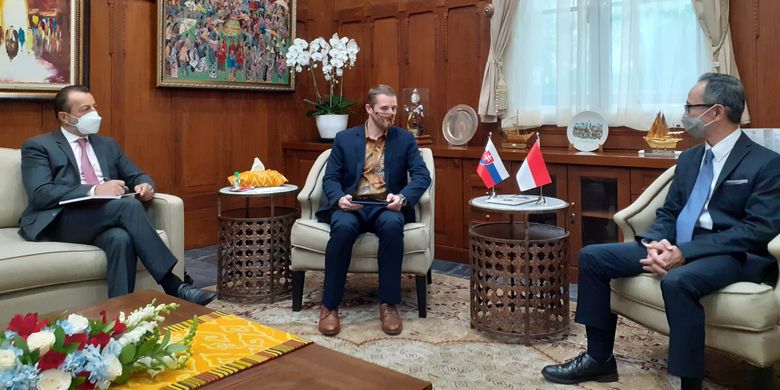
x=689 y=106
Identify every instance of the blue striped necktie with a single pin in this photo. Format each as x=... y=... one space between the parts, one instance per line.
x=692 y=210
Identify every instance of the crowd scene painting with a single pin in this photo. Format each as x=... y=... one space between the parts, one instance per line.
x=35 y=43
x=241 y=43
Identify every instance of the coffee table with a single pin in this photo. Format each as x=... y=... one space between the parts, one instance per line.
x=310 y=367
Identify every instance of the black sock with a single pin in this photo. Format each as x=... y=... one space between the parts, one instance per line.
x=170 y=283
x=689 y=383
x=601 y=341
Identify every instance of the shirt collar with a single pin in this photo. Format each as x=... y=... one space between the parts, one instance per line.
x=71 y=137
x=723 y=148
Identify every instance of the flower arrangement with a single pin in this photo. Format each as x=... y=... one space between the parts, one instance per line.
x=78 y=353
x=334 y=55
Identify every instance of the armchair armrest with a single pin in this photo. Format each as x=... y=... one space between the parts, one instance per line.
x=167 y=213
x=774 y=250
x=638 y=216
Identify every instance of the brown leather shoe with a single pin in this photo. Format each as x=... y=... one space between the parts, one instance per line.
x=391 y=321
x=329 y=321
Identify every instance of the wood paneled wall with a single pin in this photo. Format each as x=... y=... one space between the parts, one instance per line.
x=190 y=140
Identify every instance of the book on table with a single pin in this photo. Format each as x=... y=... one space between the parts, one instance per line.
x=98 y=197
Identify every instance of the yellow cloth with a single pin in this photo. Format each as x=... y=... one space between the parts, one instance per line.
x=224 y=344
x=266 y=178
x=372 y=179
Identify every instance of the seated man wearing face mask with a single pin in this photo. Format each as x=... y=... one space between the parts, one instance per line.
x=721 y=211
x=73 y=162
x=368 y=163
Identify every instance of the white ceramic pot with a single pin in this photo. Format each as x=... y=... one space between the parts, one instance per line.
x=329 y=125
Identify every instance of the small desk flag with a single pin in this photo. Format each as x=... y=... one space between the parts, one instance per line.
x=533 y=173
x=490 y=167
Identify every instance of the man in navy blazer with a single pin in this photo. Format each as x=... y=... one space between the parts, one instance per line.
x=370 y=163
x=721 y=211
x=73 y=162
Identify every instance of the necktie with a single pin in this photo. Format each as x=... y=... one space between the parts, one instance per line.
x=86 y=167
x=701 y=190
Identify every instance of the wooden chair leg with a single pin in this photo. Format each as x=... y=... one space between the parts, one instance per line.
x=422 y=295
x=297 y=289
x=763 y=378
x=430 y=279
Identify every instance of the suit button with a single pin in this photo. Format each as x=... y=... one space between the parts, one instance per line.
x=53 y=213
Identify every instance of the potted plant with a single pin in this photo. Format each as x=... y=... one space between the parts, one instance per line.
x=332 y=57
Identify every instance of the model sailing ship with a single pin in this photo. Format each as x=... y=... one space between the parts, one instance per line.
x=516 y=136
x=660 y=139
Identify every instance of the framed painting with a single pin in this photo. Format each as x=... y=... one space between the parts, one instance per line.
x=43 y=47
x=229 y=44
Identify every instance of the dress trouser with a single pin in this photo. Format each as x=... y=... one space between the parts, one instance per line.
x=682 y=288
x=345 y=227
x=121 y=228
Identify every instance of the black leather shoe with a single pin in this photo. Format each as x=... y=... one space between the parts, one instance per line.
x=195 y=295
x=582 y=368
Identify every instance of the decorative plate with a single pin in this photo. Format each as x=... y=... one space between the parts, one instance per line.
x=459 y=124
x=587 y=131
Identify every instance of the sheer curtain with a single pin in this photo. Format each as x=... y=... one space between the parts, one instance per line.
x=625 y=59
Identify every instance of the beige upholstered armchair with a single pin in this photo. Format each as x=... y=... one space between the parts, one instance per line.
x=741 y=319
x=309 y=237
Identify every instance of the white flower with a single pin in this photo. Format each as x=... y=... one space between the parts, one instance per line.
x=7 y=359
x=78 y=324
x=41 y=341
x=300 y=43
x=113 y=368
x=170 y=362
x=54 y=380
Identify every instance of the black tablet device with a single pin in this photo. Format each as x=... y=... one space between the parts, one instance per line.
x=369 y=201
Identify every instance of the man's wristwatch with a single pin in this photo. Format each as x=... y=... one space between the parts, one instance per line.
x=403 y=199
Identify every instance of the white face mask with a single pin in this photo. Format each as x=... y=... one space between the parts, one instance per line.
x=89 y=123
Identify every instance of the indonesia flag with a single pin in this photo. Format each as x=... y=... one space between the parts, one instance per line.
x=490 y=167
x=533 y=173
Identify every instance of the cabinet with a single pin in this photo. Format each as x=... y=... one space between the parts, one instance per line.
x=597 y=185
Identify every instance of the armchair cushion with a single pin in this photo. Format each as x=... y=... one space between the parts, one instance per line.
x=725 y=309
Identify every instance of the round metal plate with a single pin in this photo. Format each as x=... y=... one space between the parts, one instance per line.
x=459 y=124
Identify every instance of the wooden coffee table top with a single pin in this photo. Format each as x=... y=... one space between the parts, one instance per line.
x=310 y=367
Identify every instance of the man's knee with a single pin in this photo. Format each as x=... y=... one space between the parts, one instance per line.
x=675 y=281
x=127 y=205
x=590 y=258
x=343 y=231
x=390 y=222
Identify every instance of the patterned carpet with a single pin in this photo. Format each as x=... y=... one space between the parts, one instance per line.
x=444 y=349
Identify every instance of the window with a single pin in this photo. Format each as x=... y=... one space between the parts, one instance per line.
x=625 y=59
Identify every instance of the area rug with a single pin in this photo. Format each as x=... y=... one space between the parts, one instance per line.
x=444 y=350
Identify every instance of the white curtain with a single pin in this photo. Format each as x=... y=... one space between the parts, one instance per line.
x=492 y=98
x=713 y=17
x=626 y=60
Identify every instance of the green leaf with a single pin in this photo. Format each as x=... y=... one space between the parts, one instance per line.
x=145 y=348
x=128 y=354
x=107 y=328
x=59 y=337
x=175 y=348
x=21 y=344
x=72 y=347
x=127 y=371
x=166 y=339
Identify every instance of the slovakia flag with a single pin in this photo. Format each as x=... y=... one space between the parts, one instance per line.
x=533 y=173
x=490 y=167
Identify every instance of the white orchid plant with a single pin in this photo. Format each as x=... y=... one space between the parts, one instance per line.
x=332 y=57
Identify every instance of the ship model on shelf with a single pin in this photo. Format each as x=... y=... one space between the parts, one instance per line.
x=516 y=136
x=662 y=141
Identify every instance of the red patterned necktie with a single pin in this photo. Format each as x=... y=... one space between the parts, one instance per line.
x=86 y=166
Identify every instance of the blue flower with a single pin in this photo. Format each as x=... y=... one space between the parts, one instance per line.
x=22 y=377
x=9 y=334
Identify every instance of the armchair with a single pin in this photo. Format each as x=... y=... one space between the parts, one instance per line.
x=310 y=237
x=741 y=319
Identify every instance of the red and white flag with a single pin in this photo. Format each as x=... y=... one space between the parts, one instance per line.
x=533 y=173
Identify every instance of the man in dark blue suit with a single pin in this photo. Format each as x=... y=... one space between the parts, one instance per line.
x=73 y=162
x=721 y=211
x=370 y=163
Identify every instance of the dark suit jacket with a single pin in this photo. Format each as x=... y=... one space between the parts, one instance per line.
x=346 y=161
x=50 y=174
x=744 y=206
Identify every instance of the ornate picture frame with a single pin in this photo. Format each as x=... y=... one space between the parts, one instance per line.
x=44 y=47
x=225 y=44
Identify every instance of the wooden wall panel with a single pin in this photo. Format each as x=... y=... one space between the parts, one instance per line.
x=386 y=53
x=463 y=62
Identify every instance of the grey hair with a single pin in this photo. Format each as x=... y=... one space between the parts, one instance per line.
x=727 y=91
